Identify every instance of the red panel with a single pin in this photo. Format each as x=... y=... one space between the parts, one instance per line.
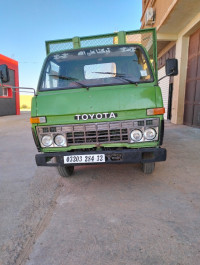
x=192 y=93
x=13 y=65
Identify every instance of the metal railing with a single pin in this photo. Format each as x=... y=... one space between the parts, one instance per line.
x=144 y=37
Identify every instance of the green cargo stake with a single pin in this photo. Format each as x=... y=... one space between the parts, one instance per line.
x=121 y=37
x=76 y=42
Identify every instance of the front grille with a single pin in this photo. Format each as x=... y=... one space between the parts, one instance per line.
x=98 y=133
x=105 y=132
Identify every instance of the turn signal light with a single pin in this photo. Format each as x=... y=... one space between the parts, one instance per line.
x=156 y=111
x=37 y=120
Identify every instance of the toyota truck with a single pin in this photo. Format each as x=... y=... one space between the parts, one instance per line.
x=98 y=102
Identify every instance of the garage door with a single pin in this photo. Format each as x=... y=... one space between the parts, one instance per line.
x=192 y=93
x=164 y=85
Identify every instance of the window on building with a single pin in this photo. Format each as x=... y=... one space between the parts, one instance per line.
x=5 y=92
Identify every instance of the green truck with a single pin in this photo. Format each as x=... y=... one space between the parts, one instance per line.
x=98 y=101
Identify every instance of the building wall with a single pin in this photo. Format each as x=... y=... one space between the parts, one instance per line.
x=182 y=50
x=175 y=21
x=25 y=102
x=8 y=103
x=164 y=7
x=9 y=97
x=192 y=93
x=166 y=84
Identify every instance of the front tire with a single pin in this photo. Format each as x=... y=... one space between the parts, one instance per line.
x=65 y=171
x=148 y=168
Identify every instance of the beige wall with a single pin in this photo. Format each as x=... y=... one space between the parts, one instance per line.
x=162 y=7
x=182 y=46
x=170 y=13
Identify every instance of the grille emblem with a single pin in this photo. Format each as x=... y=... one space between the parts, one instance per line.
x=97 y=116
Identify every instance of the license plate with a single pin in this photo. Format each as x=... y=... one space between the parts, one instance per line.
x=84 y=159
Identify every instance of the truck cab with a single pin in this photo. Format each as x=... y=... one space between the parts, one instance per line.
x=98 y=101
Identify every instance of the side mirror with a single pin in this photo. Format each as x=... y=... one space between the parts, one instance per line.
x=4 y=73
x=171 y=67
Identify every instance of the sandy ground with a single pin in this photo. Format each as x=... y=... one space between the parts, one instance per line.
x=26 y=192
x=104 y=214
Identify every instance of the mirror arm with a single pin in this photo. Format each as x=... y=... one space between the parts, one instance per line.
x=161 y=78
x=25 y=88
x=165 y=76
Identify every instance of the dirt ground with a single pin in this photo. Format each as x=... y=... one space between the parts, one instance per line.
x=108 y=214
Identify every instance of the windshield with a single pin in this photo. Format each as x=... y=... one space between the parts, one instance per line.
x=96 y=67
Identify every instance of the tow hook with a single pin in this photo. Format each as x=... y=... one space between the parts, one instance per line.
x=115 y=157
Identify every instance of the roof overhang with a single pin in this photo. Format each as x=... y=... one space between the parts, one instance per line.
x=178 y=16
x=176 y=19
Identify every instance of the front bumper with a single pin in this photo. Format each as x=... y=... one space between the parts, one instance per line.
x=140 y=155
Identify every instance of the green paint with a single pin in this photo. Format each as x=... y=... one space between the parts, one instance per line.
x=121 y=37
x=129 y=101
x=76 y=42
x=96 y=99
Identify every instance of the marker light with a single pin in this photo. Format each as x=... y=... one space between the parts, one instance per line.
x=156 y=111
x=37 y=120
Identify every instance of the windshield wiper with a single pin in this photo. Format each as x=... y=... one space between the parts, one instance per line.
x=118 y=75
x=70 y=78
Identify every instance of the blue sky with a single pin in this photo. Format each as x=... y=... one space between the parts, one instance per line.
x=26 y=25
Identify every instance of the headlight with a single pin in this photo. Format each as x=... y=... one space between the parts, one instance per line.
x=60 y=140
x=47 y=140
x=136 y=135
x=150 y=134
